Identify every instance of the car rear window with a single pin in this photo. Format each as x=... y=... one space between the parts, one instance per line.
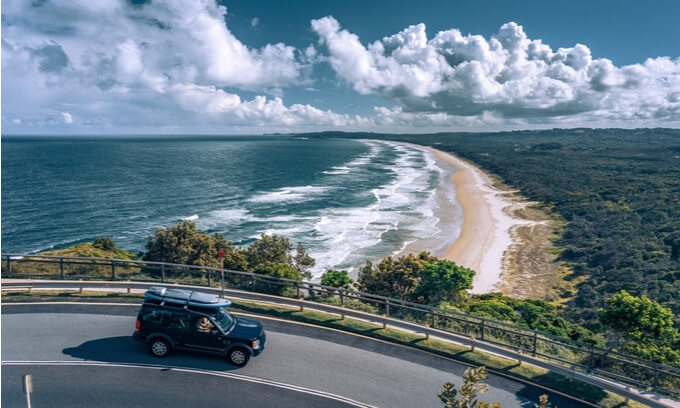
x=152 y=316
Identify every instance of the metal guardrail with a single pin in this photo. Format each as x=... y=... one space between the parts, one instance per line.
x=572 y=356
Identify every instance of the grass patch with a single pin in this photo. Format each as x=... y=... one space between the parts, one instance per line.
x=54 y=295
x=458 y=352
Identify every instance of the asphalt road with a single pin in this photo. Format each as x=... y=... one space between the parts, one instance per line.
x=94 y=362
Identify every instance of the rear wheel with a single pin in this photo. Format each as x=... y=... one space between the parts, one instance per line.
x=238 y=356
x=159 y=347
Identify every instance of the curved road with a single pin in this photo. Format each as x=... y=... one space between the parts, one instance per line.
x=83 y=355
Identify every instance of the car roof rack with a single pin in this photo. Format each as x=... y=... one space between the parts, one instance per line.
x=185 y=297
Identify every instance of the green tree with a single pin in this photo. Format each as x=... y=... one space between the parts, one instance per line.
x=394 y=277
x=184 y=243
x=269 y=248
x=303 y=262
x=442 y=281
x=337 y=279
x=469 y=391
x=278 y=249
x=664 y=354
x=640 y=318
x=278 y=270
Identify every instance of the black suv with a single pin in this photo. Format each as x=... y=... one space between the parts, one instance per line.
x=177 y=318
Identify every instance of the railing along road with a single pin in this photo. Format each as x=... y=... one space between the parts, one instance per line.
x=565 y=352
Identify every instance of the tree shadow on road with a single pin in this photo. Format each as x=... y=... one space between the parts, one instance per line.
x=123 y=349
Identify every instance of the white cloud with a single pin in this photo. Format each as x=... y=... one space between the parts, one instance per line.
x=115 y=64
x=67 y=117
x=111 y=66
x=254 y=22
x=260 y=110
x=169 y=39
x=507 y=76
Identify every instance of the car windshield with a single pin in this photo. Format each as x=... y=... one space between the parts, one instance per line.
x=223 y=318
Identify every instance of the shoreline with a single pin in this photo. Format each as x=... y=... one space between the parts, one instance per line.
x=501 y=239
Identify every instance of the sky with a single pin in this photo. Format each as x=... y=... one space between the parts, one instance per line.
x=253 y=67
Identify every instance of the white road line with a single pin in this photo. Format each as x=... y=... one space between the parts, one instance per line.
x=239 y=377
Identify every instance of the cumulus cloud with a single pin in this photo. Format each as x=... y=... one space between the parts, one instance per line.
x=510 y=76
x=260 y=110
x=114 y=63
x=116 y=66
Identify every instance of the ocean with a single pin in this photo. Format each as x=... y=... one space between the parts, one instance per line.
x=346 y=201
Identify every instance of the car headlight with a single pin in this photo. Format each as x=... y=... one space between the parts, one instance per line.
x=256 y=344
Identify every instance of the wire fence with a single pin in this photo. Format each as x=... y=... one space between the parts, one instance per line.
x=569 y=353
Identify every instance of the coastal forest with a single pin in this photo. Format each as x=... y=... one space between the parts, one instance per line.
x=617 y=189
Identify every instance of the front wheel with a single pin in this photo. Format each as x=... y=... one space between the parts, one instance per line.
x=159 y=347
x=238 y=356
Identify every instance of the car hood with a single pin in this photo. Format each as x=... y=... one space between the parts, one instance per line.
x=246 y=329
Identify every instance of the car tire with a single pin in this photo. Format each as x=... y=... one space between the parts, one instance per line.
x=238 y=356
x=159 y=347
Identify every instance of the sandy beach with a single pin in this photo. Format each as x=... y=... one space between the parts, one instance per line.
x=501 y=239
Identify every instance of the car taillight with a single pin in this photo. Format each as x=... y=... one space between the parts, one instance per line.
x=137 y=326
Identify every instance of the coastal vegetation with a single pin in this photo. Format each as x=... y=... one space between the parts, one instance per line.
x=184 y=243
x=618 y=190
x=427 y=280
x=634 y=325
x=102 y=247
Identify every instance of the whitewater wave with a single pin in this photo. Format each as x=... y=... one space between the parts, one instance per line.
x=296 y=194
x=352 y=220
x=399 y=212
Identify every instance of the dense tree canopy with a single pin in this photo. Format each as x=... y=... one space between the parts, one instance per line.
x=442 y=281
x=646 y=325
x=641 y=319
x=392 y=277
x=269 y=248
x=184 y=243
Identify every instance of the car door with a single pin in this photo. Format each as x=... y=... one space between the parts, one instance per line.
x=178 y=327
x=204 y=335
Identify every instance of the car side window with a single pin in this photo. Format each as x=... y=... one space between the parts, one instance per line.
x=202 y=324
x=152 y=316
x=178 y=321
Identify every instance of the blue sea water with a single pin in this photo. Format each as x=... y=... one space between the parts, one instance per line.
x=347 y=201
